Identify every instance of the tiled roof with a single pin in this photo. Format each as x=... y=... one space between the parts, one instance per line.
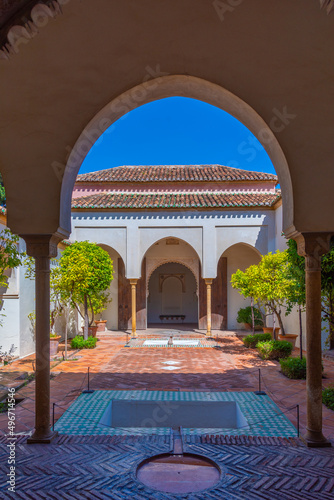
x=175 y=200
x=174 y=173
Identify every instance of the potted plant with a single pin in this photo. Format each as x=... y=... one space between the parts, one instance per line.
x=100 y=305
x=54 y=343
x=245 y=317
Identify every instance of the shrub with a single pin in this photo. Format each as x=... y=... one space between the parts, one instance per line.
x=293 y=367
x=328 y=397
x=274 y=349
x=252 y=340
x=245 y=316
x=79 y=343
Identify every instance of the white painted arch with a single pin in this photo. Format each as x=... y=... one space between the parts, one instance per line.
x=172 y=86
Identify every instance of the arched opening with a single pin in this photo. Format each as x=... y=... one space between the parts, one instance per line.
x=112 y=312
x=183 y=86
x=238 y=256
x=172 y=296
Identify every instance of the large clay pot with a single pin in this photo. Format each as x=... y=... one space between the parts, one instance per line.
x=91 y=331
x=101 y=325
x=289 y=337
x=249 y=327
x=270 y=329
x=54 y=343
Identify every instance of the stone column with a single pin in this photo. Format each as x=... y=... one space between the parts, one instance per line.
x=208 y=283
x=312 y=246
x=42 y=247
x=133 y=284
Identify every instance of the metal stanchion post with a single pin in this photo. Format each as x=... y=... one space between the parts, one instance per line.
x=53 y=416
x=259 y=392
x=88 y=390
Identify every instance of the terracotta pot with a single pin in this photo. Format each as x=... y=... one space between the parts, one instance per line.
x=101 y=325
x=91 y=331
x=54 y=343
x=289 y=337
x=249 y=327
x=270 y=329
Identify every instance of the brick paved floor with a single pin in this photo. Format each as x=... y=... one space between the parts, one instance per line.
x=261 y=471
x=104 y=468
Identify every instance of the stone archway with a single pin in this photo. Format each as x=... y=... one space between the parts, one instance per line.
x=184 y=86
x=172 y=295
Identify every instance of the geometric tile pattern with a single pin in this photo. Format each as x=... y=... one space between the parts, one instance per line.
x=263 y=417
x=104 y=468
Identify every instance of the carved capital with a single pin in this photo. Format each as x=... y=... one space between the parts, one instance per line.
x=312 y=246
x=133 y=282
x=42 y=245
x=208 y=281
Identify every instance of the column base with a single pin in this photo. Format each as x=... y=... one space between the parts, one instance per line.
x=314 y=439
x=42 y=438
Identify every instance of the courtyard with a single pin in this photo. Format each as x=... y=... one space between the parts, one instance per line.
x=272 y=463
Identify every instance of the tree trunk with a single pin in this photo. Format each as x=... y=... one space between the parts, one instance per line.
x=86 y=319
x=278 y=315
x=331 y=321
x=263 y=316
x=274 y=326
x=300 y=331
x=253 y=320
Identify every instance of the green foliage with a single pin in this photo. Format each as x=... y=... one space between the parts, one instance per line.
x=54 y=335
x=245 y=316
x=253 y=340
x=328 y=397
x=293 y=367
x=84 y=274
x=269 y=282
x=79 y=343
x=296 y=272
x=2 y=193
x=327 y=289
x=274 y=349
x=10 y=257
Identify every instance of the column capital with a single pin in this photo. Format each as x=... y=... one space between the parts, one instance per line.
x=133 y=282
x=208 y=281
x=42 y=245
x=313 y=246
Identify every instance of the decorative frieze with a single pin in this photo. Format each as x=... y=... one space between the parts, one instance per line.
x=26 y=24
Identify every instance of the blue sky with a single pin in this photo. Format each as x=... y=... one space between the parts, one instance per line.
x=177 y=131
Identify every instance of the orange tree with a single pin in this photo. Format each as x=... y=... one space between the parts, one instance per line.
x=268 y=282
x=84 y=274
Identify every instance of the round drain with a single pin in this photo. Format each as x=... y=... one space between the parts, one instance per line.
x=185 y=473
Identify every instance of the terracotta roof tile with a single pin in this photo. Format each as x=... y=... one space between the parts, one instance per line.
x=174 y=173
x=102 y=201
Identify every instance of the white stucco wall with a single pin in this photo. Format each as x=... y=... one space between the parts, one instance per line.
x=209 y=233
x=171 y=300
x=18 y=302
x=111 y=313
x=239 y=256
